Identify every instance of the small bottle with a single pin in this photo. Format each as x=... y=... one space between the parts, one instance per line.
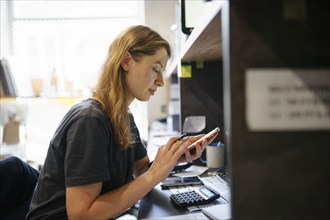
x=54 y=81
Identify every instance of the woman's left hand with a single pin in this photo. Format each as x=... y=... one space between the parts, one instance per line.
x=200 y=147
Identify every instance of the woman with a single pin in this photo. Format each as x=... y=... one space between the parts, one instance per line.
x=96 y=166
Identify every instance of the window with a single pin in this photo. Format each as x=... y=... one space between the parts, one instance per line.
x=62 y=44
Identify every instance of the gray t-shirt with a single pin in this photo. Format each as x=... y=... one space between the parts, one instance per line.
x=82 y=151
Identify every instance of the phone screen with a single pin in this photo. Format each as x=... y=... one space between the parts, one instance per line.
x=180 y=181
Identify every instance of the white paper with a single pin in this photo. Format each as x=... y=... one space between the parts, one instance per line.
x=195 y=216
x=219 y=212
x=287 y=99
x=192 y=171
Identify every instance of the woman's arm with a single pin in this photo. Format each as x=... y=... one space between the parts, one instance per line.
x=85 y=202
x=141 y=166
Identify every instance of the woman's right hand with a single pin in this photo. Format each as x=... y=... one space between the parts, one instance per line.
x=167 y=157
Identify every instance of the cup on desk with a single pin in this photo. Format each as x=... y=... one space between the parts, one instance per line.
x=215 y=155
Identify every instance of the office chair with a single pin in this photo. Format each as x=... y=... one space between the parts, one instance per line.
x=17 y=182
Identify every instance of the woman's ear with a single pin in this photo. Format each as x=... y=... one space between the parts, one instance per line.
x=126 y=61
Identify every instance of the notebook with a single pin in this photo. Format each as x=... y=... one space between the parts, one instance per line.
x=218 y=212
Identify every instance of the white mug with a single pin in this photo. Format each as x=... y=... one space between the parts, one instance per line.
x=215 y=155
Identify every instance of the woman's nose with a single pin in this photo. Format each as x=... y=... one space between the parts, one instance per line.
x=159 y=81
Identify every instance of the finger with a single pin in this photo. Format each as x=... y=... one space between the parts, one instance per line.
x=171 y=142
x=199 y=149
x=179 y=144
x=180 y=150
x=188 y=156
x=205 y=143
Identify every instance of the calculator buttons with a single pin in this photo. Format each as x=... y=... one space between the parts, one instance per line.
x=197 y=197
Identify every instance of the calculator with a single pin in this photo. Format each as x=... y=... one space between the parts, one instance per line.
x=202 y=195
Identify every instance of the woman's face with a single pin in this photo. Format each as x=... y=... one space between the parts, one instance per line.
x=143 y=77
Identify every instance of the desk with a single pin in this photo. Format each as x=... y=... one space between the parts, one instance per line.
x=157 y=204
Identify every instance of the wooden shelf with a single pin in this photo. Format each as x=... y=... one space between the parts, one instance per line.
x=204 y=43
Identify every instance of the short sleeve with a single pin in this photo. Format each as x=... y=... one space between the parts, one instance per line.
x=139 y=148
x=86 y=158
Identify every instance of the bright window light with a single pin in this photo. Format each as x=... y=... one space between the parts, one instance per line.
x=75 y=9
x=63 y=44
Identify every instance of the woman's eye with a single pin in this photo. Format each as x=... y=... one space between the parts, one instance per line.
x=156 y=70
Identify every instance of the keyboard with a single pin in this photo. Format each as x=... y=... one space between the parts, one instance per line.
x=225 y=176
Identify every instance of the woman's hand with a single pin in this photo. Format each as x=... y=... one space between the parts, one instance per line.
x=167 y=157
x=200 y=147
x=176 y=151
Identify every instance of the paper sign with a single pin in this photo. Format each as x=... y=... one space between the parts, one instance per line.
x=287 y=99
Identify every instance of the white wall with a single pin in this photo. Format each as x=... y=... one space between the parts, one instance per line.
x=160 y=15
x=4 y=38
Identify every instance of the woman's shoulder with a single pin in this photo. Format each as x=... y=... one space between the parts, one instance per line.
x=88 y=108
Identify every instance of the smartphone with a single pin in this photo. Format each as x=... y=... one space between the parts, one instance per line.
x=181 y=181
x=192 y=147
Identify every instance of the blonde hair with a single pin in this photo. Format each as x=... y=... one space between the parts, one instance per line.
x=111 y=89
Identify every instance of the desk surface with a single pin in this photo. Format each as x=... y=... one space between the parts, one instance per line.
x=157 y=204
